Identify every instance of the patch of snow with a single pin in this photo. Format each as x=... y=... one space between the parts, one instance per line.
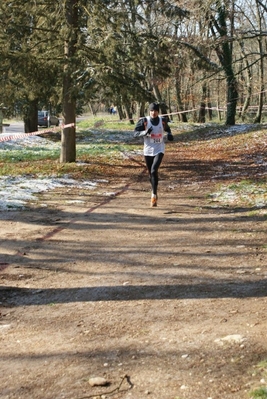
x=111 y=194
x=234 y=338
x=31 y=141
x=250 y=194
x=15 y=192
x=239 y=128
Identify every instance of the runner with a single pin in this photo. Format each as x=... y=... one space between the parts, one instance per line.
x=152 y=129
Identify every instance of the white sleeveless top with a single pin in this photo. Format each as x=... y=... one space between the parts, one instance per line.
x=154 y=144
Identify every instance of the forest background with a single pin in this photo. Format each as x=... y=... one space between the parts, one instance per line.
x=197 y=59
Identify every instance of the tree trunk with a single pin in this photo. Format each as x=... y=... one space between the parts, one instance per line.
x=202 y=110
x=129 y=112
x=202 y=113
x=162 y=104
x=232 y=96
x=224 y=51
x=209 y=105
x=210 y=111
x=248 y=79
x=178 y=97
x=260 y=106
x=120 y=111
x=68 y=137
x=30 y=118
x=142 y=110
x=261 y=67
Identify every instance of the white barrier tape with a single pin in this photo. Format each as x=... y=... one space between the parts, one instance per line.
x=36 y=133
x=181 y=112
x=62 y=126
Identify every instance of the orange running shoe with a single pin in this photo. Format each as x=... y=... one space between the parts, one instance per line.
x=154 y=201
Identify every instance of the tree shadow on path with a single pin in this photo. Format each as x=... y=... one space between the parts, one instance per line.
x=223 y=289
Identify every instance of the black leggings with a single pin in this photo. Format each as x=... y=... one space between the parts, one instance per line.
x=153 y=164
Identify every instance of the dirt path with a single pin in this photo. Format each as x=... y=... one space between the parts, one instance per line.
x=164 y=303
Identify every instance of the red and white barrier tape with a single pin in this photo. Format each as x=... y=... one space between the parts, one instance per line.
x=99 y=123
x=36 y=133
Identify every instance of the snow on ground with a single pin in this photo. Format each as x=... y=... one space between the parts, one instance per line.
x=16 y=192
x=243 y=193
x=25 y=142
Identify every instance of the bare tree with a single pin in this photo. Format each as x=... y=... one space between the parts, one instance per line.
x=260 y=39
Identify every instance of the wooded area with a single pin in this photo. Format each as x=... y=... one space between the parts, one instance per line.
x=197 y=59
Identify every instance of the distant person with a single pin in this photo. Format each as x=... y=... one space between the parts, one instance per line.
x=152 y=128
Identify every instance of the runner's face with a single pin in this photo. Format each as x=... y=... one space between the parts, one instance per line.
x=154 y=114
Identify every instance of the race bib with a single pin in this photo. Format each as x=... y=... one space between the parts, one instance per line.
x=156 y=138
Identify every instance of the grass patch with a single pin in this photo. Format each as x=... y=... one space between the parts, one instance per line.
x=15 y=156
x=105 y=122
x=35 y=155
x=260 y=393
x=37 y=168
x=245 y=193
x=86 y=167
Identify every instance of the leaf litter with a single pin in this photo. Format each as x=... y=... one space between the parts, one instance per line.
x=222 y=143
x=108 y=299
